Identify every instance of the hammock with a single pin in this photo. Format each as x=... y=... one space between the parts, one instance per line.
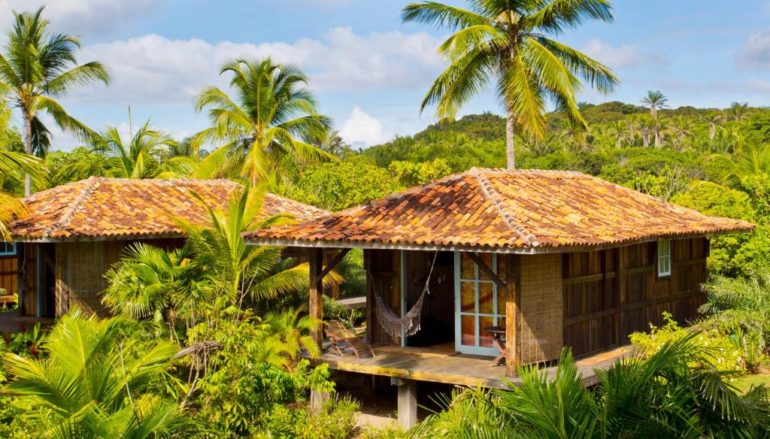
x=409 y=323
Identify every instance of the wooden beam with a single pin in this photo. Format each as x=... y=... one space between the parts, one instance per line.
x=337 y=258
x=488 y=271
x=315 y=293
x=512 y=301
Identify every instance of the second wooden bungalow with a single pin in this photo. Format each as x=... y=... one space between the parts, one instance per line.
x=524 y=262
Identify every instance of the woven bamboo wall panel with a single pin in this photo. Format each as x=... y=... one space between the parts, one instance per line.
x=80 y=268
x=541 y=307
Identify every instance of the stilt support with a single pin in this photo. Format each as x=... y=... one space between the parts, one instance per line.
x=317 y=400
x=407 y=402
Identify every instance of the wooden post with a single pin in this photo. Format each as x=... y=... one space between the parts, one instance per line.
x=315 y=293
x=511 y=317
x=369 y=313
x=407 y=402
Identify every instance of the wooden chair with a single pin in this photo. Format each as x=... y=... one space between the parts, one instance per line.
x=344 y=337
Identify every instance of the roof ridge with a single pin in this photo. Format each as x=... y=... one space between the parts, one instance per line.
x=91 y=184
x=166 y=181
x=492 y=195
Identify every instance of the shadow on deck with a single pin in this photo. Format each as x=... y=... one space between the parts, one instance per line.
x=12 y=321
x=440 y=364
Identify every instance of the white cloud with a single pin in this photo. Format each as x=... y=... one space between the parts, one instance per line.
x=756 y=52
x=619 y=57
x=361 y=129
x=155 y=69
x=85 y=16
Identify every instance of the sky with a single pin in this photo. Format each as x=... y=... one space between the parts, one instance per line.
x=368 y=70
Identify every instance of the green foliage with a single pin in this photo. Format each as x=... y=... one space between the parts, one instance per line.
x=341 y=184
x=247 y=378
x=512 y=46
x=78 y=164
x=96 y=380
x=718 y=350
x=673 y=392
x=38 y=64
x=336 y=420
x=270 y=119
x=413 y=174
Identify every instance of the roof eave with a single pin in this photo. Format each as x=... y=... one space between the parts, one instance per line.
x=46 y=240
x=280 y=242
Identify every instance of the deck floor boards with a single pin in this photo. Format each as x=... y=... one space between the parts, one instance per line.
x=441 y=365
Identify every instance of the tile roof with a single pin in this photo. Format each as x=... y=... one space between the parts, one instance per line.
x=518 y=211
x=106 y=208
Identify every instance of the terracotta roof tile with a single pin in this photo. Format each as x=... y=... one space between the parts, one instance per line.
x=99 y=208
x=523 y=210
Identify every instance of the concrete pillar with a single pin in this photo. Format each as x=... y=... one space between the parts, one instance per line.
x=317 y=400
x=407 y=402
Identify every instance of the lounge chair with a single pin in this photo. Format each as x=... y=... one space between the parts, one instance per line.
x=344 y=338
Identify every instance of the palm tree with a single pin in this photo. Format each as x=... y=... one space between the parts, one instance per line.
x=619 y=127
x=36 y=65
x=656 y=100
x=95 y=382
x=272 y=117
x=292 y=328
x=738 y=111
x=140 y=157
x=714 y=120
x=153 y=283
x=681 y=127
x=506 y=42
x=11 y=164
x=242 y=271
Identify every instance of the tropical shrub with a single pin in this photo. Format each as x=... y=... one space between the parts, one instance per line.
x=673 y=392
x=96 y=379
x=250 y=374
x=335 y=420
x=718 y=350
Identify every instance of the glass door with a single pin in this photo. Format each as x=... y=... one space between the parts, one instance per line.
x=476 y=304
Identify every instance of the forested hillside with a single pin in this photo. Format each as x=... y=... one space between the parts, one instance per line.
x=714 y=160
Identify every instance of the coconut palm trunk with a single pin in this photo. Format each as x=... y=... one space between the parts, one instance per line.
x=510 y=140
x=28 y=150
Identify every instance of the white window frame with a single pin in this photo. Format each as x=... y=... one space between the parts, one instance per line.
x=664 y=257
x=496 y=317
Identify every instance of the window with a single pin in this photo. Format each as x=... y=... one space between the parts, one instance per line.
x=664 y=257
x=7 y=249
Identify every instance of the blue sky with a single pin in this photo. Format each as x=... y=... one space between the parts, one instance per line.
x=369 y=71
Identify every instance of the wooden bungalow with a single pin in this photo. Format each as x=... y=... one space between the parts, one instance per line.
x=73 y=233
x=546 y=258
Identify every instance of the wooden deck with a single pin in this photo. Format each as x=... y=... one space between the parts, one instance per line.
x=440 y=364
x=12 y=322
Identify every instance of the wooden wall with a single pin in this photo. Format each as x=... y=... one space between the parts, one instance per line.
x=610 y=294
x=28 y=280
x=540 y=294
x=384 y=266
x=9 y=274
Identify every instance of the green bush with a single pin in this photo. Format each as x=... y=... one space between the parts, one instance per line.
x=719 y=351
x=336 y=420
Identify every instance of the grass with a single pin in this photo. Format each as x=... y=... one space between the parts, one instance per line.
x=745 y=383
